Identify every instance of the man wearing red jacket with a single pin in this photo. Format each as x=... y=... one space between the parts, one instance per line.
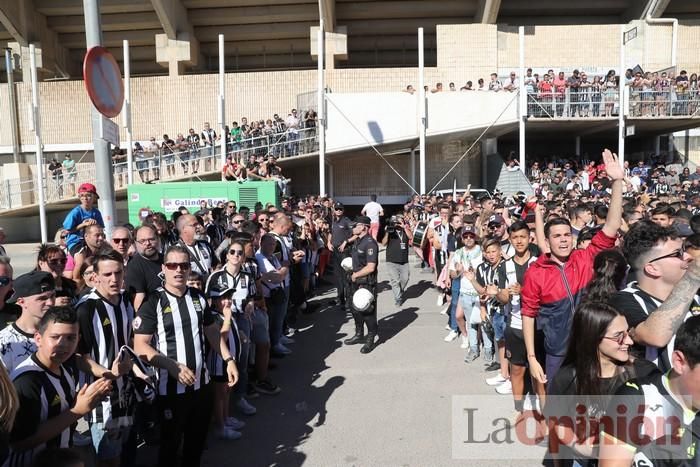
x=555 y=283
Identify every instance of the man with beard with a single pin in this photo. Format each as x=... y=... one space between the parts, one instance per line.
x=201 y=255
x=145 y=266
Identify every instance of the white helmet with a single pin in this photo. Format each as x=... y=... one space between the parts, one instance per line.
x=346 y=264
x=362 y=299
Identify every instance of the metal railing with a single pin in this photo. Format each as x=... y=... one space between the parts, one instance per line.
x=664 y=103
x=593 y=102
x=159 y=166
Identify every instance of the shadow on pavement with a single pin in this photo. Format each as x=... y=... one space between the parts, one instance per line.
x=417 y=289
x=391 y=325
x=274 y=435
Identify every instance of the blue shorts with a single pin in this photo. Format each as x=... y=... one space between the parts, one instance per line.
x=498 y=321
x=261 y=327
x=109 y=443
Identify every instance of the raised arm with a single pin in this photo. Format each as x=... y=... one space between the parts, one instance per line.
x=613 y=221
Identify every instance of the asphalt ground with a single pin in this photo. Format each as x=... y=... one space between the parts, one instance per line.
x=404 y=404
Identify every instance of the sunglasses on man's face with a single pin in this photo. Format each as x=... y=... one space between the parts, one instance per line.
x=120 y=240
x=175 y=266
x=57 y=261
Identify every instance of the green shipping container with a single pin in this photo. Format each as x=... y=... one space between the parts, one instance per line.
x=168 y=197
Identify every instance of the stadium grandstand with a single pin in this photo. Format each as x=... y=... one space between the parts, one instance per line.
x=371 y=93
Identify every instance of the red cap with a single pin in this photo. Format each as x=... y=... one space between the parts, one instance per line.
x=87 y=188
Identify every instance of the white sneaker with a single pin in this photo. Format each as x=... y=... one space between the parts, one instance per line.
x=234 y=423
x=246 y=407
x=284 y=340
x=441 y=300
x=496 y=380
x=451 y=336
x=448 y=328
x=505 y=388
x=229 y=434
x=465 y=343
x=280 y=348
x=445 y=310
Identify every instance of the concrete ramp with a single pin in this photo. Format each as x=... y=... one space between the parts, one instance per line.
x=358 y=120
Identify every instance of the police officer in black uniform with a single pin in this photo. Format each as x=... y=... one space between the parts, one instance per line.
x=341 y=236
x=365 y=258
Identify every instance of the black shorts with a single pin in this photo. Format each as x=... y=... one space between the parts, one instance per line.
x=516 y=352
x=219 y=378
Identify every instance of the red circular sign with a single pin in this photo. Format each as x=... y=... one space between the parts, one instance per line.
x=103 y=81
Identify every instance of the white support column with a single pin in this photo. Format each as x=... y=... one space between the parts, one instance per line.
x=421 y=109
x=320 y=113
x=127 y=116
x=36 y=117
x=522 y=100
x=621 y=112
x=413 y=168
x=222 y=99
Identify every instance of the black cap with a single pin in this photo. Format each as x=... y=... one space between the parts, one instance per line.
x=220 y=288
x=362 y=220
x=32 y=283
x=339 y=206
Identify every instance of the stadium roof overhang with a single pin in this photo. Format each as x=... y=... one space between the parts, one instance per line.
x=275 y=34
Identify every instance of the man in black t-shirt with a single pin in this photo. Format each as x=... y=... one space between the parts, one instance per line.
x=144 y=275
x=397 y=239
x=56 y=169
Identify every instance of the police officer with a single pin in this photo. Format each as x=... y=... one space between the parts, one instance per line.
x=365 y=257
x=341 y=236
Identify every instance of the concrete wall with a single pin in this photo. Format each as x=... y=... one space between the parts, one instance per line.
x=164 y=104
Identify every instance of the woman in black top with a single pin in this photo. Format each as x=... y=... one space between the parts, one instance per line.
x=597 y=363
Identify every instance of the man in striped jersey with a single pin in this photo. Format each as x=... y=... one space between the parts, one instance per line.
x=202 y=256
x=48 y=403
x=169 y=333
x=34 y=293
x=105 y=318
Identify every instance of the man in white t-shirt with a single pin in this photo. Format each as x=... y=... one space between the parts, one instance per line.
x=374 y=211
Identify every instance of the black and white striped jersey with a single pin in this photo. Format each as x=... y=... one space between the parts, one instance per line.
x=177 y=325
x=42 y=395
x=104 y=329
x=243 y=283
x=15 y=346
x=202 y=258
x=215 y=363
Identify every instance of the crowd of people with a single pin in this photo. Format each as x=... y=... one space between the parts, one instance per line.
x=247 y=143
x=582 y=300
x=585 y=290
x=172 y=324
x=580 y=94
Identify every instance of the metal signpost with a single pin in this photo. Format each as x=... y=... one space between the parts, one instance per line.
x=103 y=81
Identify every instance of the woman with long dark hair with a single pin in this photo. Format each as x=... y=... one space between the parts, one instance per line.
x=597 y=363
x=610 y=268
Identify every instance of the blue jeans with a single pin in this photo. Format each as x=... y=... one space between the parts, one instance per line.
x=244 y=328
x=498 y=321
x=452 y=319
x=277 y=314
x=108 y=443
x=472 y=315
